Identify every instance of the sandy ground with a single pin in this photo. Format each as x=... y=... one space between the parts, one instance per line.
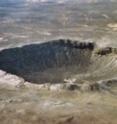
x=22 y=106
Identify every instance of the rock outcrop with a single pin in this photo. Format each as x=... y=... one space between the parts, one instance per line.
x=10 y=81
x=106 y=51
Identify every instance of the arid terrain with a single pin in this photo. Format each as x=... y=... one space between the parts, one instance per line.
x=58 y=62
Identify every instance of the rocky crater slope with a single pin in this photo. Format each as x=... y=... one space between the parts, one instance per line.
x=60 y=64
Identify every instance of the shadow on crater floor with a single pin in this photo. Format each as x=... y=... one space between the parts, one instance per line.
x=47 y=62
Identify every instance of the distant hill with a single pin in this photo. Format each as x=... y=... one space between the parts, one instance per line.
x=55 y=1
x=12 y=3
x=78 y=1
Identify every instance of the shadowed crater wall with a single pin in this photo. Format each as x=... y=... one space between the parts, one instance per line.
x=47 y=62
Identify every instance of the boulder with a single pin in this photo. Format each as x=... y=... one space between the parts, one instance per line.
x=71 y=86
x=10 y=81
x=56 y=87
x=2 y=73
x=104 y=51
x=36 y=86
x=95 y=87
x=85 y=87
